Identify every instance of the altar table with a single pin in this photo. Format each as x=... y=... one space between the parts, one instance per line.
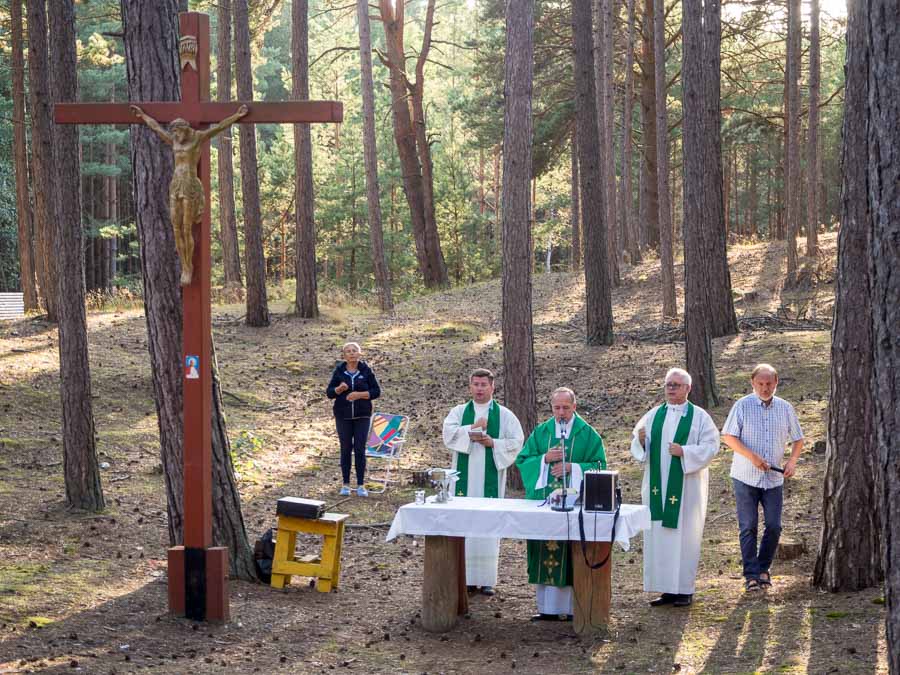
x=445 y=527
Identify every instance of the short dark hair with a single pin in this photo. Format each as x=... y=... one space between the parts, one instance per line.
x=482 y=372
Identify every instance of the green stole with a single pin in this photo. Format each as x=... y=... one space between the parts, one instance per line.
x=491 y=488
x=668 y=512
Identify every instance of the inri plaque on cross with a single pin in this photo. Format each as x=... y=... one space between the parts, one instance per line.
x=197 y=570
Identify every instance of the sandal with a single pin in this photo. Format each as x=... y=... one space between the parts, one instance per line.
x=751 y=585
x=765 y=580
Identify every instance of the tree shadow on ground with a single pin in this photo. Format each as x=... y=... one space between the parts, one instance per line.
x=859 y=620
x=787 y=634
x=634 y=643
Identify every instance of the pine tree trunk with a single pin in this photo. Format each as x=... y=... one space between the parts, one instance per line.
x=598 y=305
x=112 y=191
x=518 y=246
x=812 y=149
x=428 y=254
x=850 y=550
x=151 y=59
x=792 y=119
x=705 y=250
x=666 y=257
x=306 y=303
x=376 y=236
x=228 y=518
x=423 y=147
x=753 y=210
x=575 y=213
x=649 y=208
x=254 y=256
x=884 y=207
x=44 y=177
x=20 y=153
x=699 y=227
x=231 y=254
x=607 y=138
x=631 y=241
x=80 y=465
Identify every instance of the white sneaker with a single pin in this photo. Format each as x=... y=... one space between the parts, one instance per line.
x=345 y=491
x=361 y=491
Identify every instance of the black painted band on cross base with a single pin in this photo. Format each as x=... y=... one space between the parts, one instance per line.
x=195 y=583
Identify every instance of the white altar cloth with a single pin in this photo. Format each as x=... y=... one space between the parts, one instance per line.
x=514 y=519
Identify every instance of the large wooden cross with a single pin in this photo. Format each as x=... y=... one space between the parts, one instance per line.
x=197 y=570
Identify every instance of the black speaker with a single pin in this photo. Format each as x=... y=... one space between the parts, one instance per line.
x=599 y=491
x=300 y=508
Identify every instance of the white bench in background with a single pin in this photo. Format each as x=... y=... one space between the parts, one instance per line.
x=12 y=306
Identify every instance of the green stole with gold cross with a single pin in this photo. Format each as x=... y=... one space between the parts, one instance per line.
x=667 y=511
x=491 y=484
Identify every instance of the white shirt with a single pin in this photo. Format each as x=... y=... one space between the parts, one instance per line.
x=764 y=429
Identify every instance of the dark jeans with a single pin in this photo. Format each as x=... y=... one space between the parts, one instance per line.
x=353 y=435
x=748 y=499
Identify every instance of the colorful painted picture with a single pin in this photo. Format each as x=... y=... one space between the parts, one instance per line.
x=192 y=363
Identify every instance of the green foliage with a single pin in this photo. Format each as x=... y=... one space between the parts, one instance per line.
x=463 y=96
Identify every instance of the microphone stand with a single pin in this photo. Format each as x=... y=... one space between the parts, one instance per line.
x=562 y=506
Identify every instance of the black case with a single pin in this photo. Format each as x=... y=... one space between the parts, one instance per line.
x=300 y=508
x=599 y=491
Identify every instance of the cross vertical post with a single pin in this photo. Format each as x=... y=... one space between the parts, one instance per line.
x=205 y=594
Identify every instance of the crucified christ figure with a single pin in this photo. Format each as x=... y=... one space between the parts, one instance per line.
x=186 y=199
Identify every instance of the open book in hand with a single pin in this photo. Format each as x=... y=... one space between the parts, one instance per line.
x=477 y=435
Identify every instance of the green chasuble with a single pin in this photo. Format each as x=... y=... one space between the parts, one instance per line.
x=549 y=562
x=491 y=488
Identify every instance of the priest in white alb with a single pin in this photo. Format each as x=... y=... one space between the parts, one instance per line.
x=675 y=442
x=485 y=438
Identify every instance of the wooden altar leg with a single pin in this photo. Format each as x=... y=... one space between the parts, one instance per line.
x=593 y=588
x=443 y=599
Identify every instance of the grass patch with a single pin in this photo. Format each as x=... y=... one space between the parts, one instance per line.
x=296 y=367
x=22 y=577
x=38 y=621
x=836 y=615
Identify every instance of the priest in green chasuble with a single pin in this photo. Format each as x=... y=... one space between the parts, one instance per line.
x=564 y=437
x=485 y=438
x=675 y=442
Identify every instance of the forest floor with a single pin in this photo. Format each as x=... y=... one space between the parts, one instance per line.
x=87 y=593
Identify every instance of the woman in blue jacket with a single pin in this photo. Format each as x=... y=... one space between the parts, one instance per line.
x=353 y=387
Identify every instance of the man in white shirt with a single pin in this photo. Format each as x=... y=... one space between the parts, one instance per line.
x=485 y=438
x=675 y=442
x=757 y=429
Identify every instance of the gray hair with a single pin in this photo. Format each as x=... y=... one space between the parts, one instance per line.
x=680 y=372
x=764 y=368
x=563 y=390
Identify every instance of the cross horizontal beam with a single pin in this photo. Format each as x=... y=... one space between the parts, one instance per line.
x=286 y=112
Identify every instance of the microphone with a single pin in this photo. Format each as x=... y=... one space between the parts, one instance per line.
x=563 y=431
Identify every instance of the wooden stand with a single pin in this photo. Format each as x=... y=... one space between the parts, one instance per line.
x=592 y=588
x=444 y=596
x=325 y=568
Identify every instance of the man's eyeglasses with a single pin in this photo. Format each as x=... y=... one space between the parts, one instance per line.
x=674 y=385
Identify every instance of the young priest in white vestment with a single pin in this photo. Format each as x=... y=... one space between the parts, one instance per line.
x=675 y=442
x=485 y=438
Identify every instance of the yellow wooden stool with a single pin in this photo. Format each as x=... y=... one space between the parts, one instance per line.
x=326 y=568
